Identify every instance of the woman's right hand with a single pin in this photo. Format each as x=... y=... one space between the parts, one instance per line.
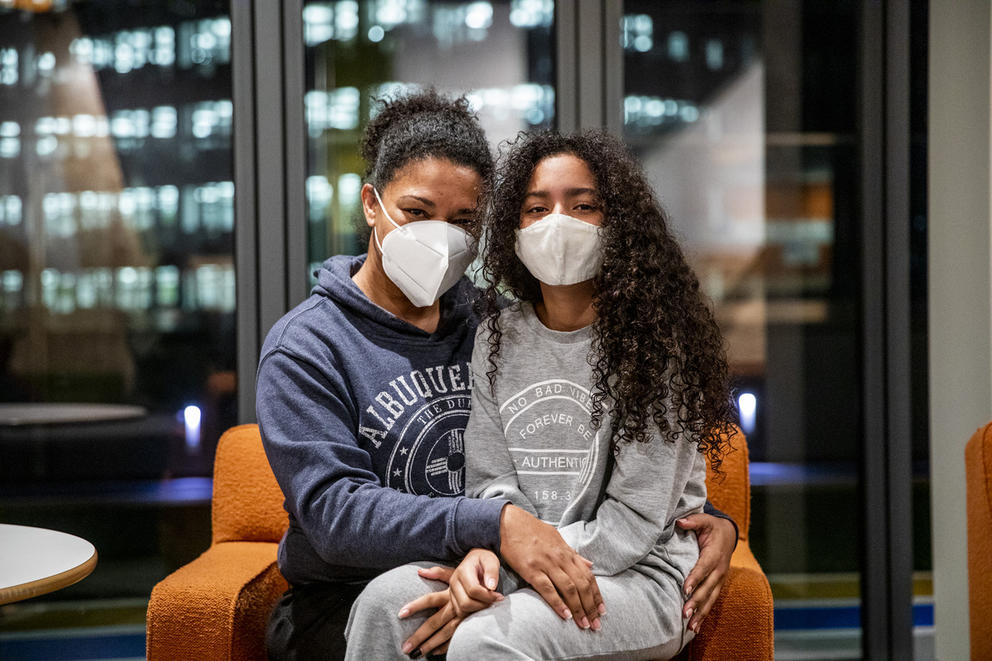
x=472 y=586
x=561 y=576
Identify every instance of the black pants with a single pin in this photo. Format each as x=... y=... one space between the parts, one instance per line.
x=309 y=621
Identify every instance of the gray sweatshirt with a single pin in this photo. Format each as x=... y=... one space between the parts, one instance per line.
x=533 y=445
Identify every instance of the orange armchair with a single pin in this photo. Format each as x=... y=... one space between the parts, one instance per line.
x=741 y=625
x=216 y=607
x=978 y=479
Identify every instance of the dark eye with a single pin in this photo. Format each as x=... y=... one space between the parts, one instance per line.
x=416 y=213
x=536 y=209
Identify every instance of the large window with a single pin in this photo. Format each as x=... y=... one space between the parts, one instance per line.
x=746 y=116
x=117 y=283
x=500 y=54
x=761 y=125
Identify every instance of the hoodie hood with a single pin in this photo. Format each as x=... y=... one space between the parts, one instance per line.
x=334 y=282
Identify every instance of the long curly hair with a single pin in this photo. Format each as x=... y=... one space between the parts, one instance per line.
x=658 y=357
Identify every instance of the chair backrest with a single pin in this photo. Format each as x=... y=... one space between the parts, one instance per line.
x=247 y=501
x=731 y=492
x=978 y=479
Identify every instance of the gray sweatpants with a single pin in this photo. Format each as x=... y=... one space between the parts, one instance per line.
x=643 y=620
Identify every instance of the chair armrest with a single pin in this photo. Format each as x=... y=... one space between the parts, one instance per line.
x=978 y=489
x=741 y=624
x=216 y=607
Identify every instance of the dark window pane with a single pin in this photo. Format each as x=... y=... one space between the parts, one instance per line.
x=117 y=338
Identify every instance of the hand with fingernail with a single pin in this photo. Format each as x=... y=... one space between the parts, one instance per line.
x=717 y=538
x=471 y=587
x=536 y=551
x=473 y=583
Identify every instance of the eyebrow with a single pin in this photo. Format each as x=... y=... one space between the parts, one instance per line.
x=422 y=200
x=570 y=191
x=428 y=203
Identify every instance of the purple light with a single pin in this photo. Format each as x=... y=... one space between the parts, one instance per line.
x=192 y=416
x=747 y=404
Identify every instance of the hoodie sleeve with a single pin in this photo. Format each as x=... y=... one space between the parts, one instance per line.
x=708 y=508
x=350 y=519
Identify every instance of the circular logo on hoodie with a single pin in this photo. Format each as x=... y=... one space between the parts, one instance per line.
x=429 y=458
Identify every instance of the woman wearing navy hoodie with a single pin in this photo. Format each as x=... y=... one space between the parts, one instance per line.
x=364 y=392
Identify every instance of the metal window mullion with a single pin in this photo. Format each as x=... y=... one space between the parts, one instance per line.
x=589 y=55
x=613 y=78
x=270 y=164
x=296 y=152
x=245 y=205
x=589 y=65
x=566 y=66
x=875 y=567
x=898 y=329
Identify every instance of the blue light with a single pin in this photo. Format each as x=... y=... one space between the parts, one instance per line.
x=747 y=404
x=192 y=416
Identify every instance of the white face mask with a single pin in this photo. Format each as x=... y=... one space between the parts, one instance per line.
x=560 y=249
x=424 y=258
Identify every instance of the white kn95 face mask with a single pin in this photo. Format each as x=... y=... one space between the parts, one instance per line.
x=424 y=258
x=560 y=249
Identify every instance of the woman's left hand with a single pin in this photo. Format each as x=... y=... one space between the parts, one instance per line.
x=717 y=539
x=434 y=634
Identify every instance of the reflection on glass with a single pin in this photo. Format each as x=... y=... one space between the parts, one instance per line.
x=743 y=113
x=500 y=54
x=116 y=268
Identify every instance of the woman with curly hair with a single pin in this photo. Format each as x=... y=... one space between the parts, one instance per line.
x=599 y=396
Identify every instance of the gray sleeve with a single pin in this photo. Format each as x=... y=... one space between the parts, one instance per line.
x=652 y=485
x=693 y=498
x=489 y=470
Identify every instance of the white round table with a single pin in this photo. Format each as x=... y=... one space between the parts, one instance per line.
x=34 y=561
x=56 y=413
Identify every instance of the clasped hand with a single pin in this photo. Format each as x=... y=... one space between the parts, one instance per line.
x=532 y=548
x=471 y=587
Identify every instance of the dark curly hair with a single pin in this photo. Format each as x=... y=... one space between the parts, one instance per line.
x=419 y=125
x=656 y=347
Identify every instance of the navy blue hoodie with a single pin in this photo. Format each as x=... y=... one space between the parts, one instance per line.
x=362 y=417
